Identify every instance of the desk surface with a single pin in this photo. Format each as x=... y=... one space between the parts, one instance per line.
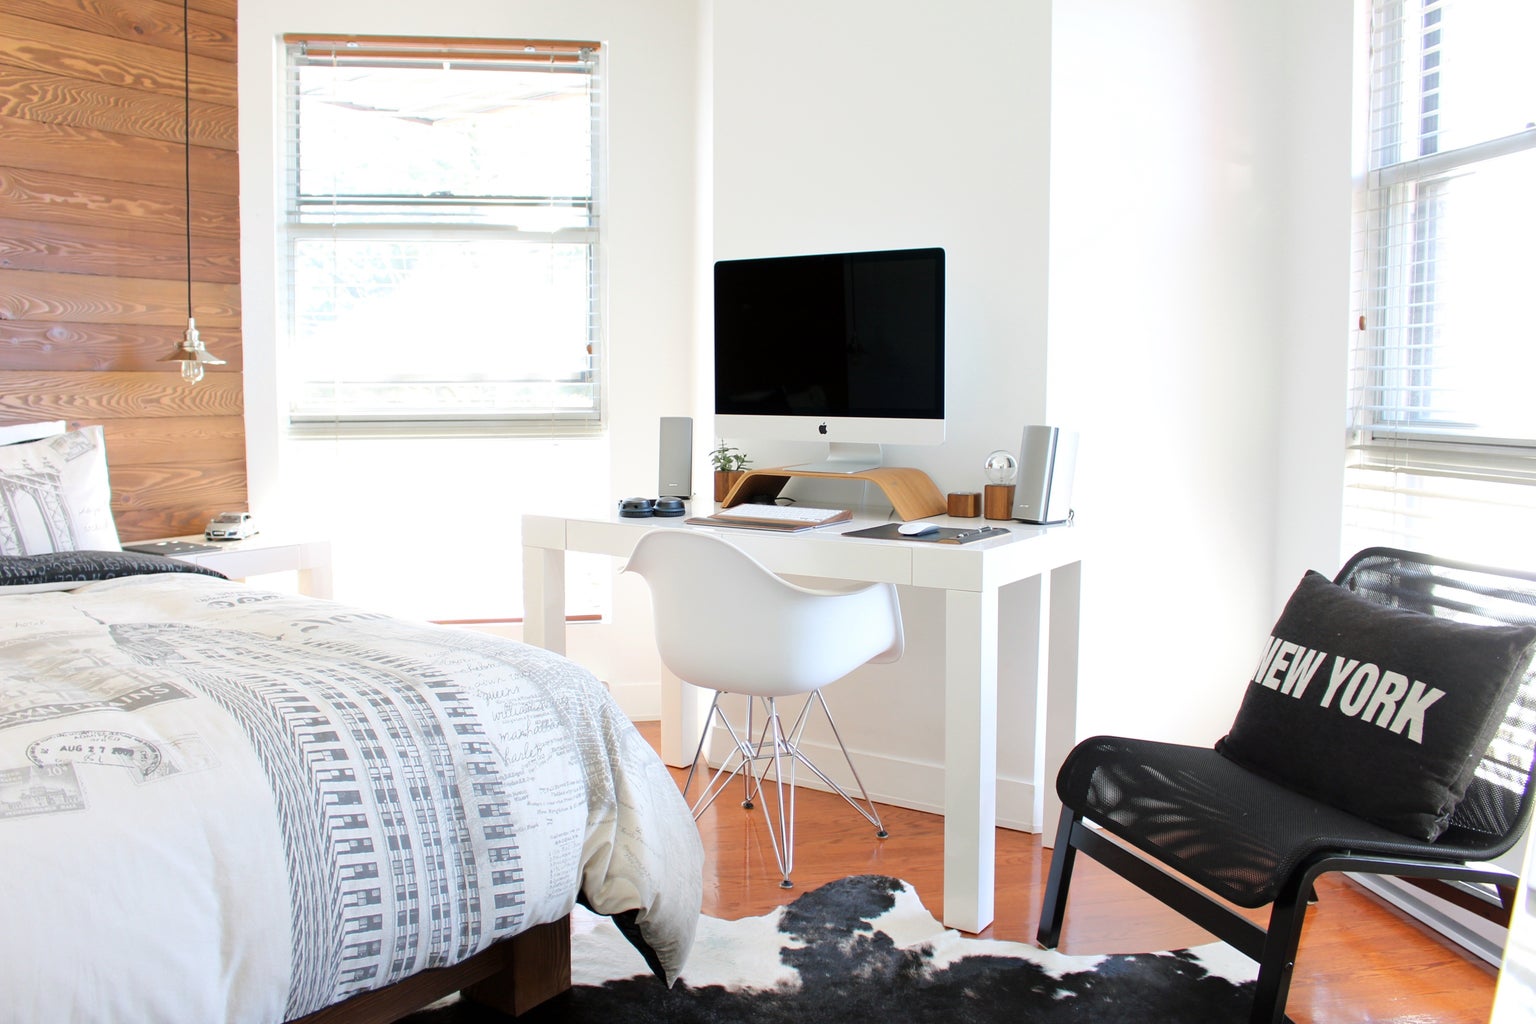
x=830 y=553
x=970 y=577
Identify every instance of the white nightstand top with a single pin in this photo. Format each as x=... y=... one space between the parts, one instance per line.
x=266 y=553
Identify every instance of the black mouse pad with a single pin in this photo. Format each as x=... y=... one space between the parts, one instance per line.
x=943 y=535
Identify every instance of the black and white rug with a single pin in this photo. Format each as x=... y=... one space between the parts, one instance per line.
x=864 y=949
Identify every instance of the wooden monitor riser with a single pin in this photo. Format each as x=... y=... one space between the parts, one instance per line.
x=911 y=492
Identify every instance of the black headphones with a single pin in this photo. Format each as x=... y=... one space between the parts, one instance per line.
x=641 y=508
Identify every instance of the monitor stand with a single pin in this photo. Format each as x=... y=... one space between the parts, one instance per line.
x=911 y=492
x=845 y=457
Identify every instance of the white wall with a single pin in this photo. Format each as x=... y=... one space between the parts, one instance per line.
x=869 y=124
x=1145 y=209
x=651 y=54
x=1165 y=345
x=1211 y=140
x=1324 y=78
x=861 y=124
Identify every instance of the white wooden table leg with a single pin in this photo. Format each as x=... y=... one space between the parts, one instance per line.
x=970 y=758
x=544 y=598
x=315 y=577
x=683 y=707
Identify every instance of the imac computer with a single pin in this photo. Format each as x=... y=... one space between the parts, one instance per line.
x=841 y=348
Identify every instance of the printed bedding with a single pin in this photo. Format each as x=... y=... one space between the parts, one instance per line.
x=223 y=804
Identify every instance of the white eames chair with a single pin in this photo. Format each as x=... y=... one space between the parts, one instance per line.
x=728 y=624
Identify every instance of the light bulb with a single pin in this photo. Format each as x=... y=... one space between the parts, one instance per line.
x=191 y=354
x=1002 y=467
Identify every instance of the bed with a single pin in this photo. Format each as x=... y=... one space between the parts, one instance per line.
x=221 y=803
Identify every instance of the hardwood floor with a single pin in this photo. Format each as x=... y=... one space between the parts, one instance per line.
x=1360 y=960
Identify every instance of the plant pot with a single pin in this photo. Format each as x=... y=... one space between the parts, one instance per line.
x=725 y=479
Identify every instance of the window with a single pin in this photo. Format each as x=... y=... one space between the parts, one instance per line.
x=443 y=363
x=443 y=237
x=1442 y=452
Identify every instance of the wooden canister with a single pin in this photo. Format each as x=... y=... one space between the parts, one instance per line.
x=965 y=504
x=998 y=502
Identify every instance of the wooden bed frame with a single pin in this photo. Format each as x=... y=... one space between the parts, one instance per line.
x=511 y=977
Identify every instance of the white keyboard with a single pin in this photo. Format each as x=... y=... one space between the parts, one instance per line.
x=781 y=513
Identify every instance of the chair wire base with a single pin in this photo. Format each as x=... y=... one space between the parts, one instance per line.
x=772 y=743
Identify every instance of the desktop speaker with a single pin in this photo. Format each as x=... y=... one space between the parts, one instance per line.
x=1047 y=460
x=675 y=477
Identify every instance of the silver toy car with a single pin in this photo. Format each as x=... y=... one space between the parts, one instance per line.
x=231 y=526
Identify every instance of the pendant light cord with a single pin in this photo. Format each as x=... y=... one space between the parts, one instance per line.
x=186 y=134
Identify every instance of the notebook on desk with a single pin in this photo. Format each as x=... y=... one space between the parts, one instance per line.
x=781 y=518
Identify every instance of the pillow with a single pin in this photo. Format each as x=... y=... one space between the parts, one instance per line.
x=55 y=496
x=65 y=570
x=1379 y=711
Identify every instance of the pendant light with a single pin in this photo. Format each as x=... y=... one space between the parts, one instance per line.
x=189 y=351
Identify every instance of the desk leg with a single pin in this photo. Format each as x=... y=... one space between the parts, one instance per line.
x=316 y=582
x=315 y=578
x=544 y=598
x=970 y=758
x=683 y=709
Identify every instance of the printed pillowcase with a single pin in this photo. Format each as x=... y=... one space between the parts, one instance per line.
x=1379 y=711
x=55 y=495
x=66 y=570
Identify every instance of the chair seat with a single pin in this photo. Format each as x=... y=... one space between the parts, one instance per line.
x=1234 y=832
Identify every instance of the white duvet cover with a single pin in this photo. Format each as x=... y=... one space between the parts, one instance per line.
x=223 y=804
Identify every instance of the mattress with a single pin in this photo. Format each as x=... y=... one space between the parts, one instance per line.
x=220 y=803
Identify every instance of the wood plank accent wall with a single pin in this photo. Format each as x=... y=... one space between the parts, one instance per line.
x=93 y=245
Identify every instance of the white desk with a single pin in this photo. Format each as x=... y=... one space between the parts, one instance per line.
x=970 y=576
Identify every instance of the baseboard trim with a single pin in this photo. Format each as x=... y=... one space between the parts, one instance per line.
x=1483 y=938
x=915 y=785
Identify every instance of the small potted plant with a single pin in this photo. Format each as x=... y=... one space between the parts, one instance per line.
x=728 y=463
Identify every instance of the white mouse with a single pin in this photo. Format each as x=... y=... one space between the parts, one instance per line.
x=916 y=528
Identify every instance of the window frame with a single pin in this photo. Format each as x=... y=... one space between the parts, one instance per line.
x=547 y=419
x=1414 y=477
x=1386 y=339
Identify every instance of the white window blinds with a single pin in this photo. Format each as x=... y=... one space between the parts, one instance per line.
x=1442 y=452
x=443 y=236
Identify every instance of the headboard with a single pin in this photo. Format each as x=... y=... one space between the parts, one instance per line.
x=93 y=251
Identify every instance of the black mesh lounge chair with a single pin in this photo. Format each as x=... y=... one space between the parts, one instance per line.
x=1236 y=823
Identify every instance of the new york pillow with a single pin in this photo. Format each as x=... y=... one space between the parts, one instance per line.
x=1379 y=711
x=55 y=495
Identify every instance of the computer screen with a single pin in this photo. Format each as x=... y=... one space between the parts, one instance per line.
x=837 y=347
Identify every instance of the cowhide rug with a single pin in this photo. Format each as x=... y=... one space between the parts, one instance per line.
x=864 y=949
